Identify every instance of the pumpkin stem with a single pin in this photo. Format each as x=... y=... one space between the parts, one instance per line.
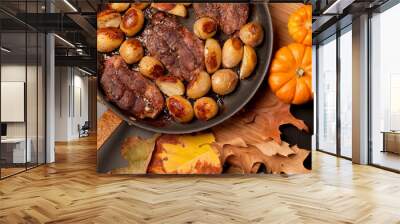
x=300 y=72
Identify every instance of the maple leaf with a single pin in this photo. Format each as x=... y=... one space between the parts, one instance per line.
x=185 y=154
x=138 y=153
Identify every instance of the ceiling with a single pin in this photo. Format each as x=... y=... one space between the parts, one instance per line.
x=332 y=15
x=72 y=20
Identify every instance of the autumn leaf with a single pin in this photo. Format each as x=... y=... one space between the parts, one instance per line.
x=239 y=170
x=271 y=113
x=249 y=158
x=106 y=125
x=137 y=152
x=185 y=154
x=271 y=148
x=260 y=122
x=292 y=164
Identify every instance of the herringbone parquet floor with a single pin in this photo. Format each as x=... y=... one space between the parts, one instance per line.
x=70 y=191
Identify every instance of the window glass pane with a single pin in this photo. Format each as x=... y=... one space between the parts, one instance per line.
x=327 y=96
x=346 y=94
x=385 y=115
x=14 y=153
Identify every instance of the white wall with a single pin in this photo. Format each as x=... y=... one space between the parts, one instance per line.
x=69 y=81
x=61 y=103
x=14 y=73
x=33 y=127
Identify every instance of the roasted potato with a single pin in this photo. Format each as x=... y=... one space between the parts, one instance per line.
x=108 y=18
x=131 y=51
x=205 y=27
x=132 y=21
x=199 y=86
x=140 y=6
x=109 y=39
x=170 y=85
x=249 y=62
x=180 y=109
x=232 y=52
x=252 y=34
x=151 y=67
x=179 y=10
x=224 y=81
x=119 y=7
x=172 y=8
x=205 y=108
x=212 y=55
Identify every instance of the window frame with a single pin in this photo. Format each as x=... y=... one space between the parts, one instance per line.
x=334 y=37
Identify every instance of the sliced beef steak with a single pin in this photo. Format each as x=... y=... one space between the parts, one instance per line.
x=176 y=47
x=130 y=90
x=230 y=16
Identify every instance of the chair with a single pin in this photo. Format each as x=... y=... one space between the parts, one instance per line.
x=84 y=130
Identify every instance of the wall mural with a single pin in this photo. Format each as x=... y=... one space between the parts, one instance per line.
x=204 y=88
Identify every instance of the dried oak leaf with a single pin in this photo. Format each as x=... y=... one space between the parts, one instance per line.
x=138 y=153
x=249 y=158
x=260 y=122
x=106 y=125
x=185 y=154
x=271 y=148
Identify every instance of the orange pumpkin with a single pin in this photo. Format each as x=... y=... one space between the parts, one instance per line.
x=290 y=74
x=300 y=25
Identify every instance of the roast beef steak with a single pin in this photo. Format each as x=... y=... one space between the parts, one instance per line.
x=130 y=90
x=230 y=16
x=175 y=46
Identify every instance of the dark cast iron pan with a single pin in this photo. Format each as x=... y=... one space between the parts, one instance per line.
x=230 y=104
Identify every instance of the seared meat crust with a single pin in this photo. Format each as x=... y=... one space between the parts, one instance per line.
x=130 y=90
x=230 y=16
x=176 y=47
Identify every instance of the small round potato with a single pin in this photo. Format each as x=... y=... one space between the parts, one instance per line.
x=252 y=34
x=224 y=81
x=180 y=108
x=205 y=27
x=132 y=21
x=179 y=10
x=151 y=67
x=172 y=8
x=140 y=6
x=248 y=63
x=119 y=7
x=205 y=108
x=131 y=51
x=166 y=6
x=108 y=39
x=170 y=85
x=232 y=52
x=199 y=86
x=212 y=55
x=108 y=18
